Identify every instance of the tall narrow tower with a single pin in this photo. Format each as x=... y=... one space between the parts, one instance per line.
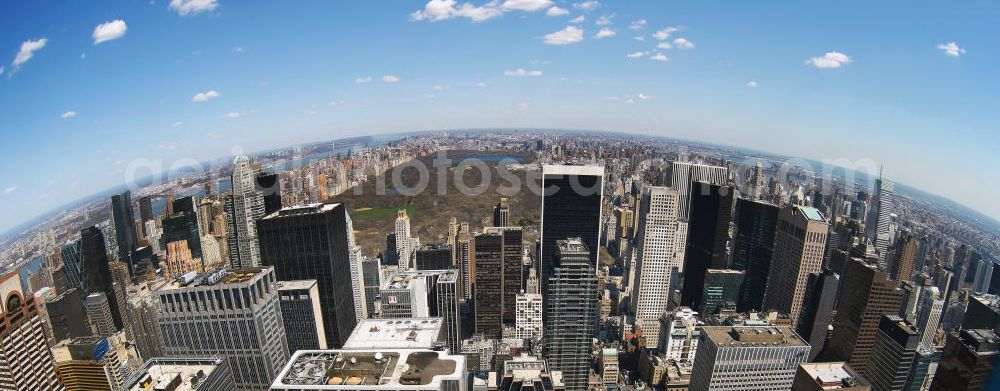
x=243 y=208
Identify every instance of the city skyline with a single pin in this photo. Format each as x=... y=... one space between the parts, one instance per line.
x=884 y=88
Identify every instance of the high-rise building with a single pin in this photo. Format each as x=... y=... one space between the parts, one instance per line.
x=371 y=276
x=67 y=316
x=904 y=257
x=270 y=187
x=404 y=243
x=753 y=246
x=569 y=286
x=145 y=212
x=234 y=315
x=827 y=376
x=143 y=309
x=432 y=256
x=123 y=216
x=414 y=294
x=680 y=335
x=208 y=374
x=314 y=242
x=930 y=306
x=183 y=226
x=529 y=316
x=609 y=366
x=892 y=357
x=99 y=314
x=571 y=208
x=89 y=363
x=488 y=291
x=448 y=308
x=817 y=309
x=243 y=208
x=375 y=369
x=968 y=362
x=710 y=211
x=301 y=314
x=925 y=363
x=720 y=290
x=524 y=373
x=685 y=173
x=866 y=293
x=877 y=225
x=501 y=213
x=513 y=270
x=747 y=358
x=97 y=269
x=983 y=312
x=799 y=244
x=25 y=360
x=657 y=266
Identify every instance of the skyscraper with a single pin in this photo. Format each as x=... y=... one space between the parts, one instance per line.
x=753 y=246
x=877 y=225
x=98 y=271
x=905 y=257
x=270 y=187
x=501 y=213
x=99 y=314
x=817 y=309
x=433 y=256
x=968 y=362
x=230 y=314
x=488 y=291
x=529 y=316
x=571 y=207
x=67 y=316
x=447 y=288
x=313 y=242
x=866 y=293
x=25 y=360
x=404 y=242
x=371 y=276
x=799 y=246
x=892 y=357
x=656 y=262
x=513 y=270
x=301 y=314
x=747 y=358
x=720 y=290
x=123 y=216
x=243 y=207
x=145 y=212
x=929 y=309
x=708 y=232
x=569 y=287
x=682 y=176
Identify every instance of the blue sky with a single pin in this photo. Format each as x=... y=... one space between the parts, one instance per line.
x=835 y=80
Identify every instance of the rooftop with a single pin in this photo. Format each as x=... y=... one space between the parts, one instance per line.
x=220 y=277
x=296 y=285
x=385 y=369
x=402 y=279
x=408 y=333
x=554 y=169
x=302 y=210
x=811 y=213
x=832 y=375
x=158 y=373
x=751 y=336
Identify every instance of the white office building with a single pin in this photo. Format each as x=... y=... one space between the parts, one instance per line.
x=529 y=316
x=656 y=261
x=761 y=358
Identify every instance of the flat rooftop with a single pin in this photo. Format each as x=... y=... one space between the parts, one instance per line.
x=296 y=285
x=302 y=210
x=220 y=277
x=811 y=213
x=385 y=369
x=157 y=373
x=402 y=279
x=401 y=333
x=832 y=375
x=750 y=336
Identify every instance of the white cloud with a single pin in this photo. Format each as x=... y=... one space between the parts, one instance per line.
x=640 y=38
x=556 y=11
x=604 y=33
x=28 y=49
x=664 y=45
x=664 y=33
x=642 y=96
x=635 y=54
x=566 y=36
x=752 y=84
x=192 y=7
x=522 y=107
x=68 y=115
x=1 y=69
x=235 y=115
x=605 y=19
x=587 y=5
x=437 y=10
x=362 y=80
x=830 y=60
x=638 y=25
x=204 y=96
x=520 y=72
x=952 y=49
x=659 y=57
x=578 y=19
x=83 y=56
x=238 y=50
x=683 y=43
x=526 y=5
x=390 y=78
x=441 y=87
x=176 y=124
x=109 y=30
x=482 y=85
x=9 y=190
x=332 y=103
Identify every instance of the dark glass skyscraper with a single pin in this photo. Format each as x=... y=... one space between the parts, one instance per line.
x=487 y=293
x=98 y=271
x=312 y=242
x=569 y=283
x=270 y=185
x=123 y=217
x=513 y=271
x=817 y=309
x=182 y=225
x=753 y=244
x=708 y=231
x=571 y=207
x=434 y=257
